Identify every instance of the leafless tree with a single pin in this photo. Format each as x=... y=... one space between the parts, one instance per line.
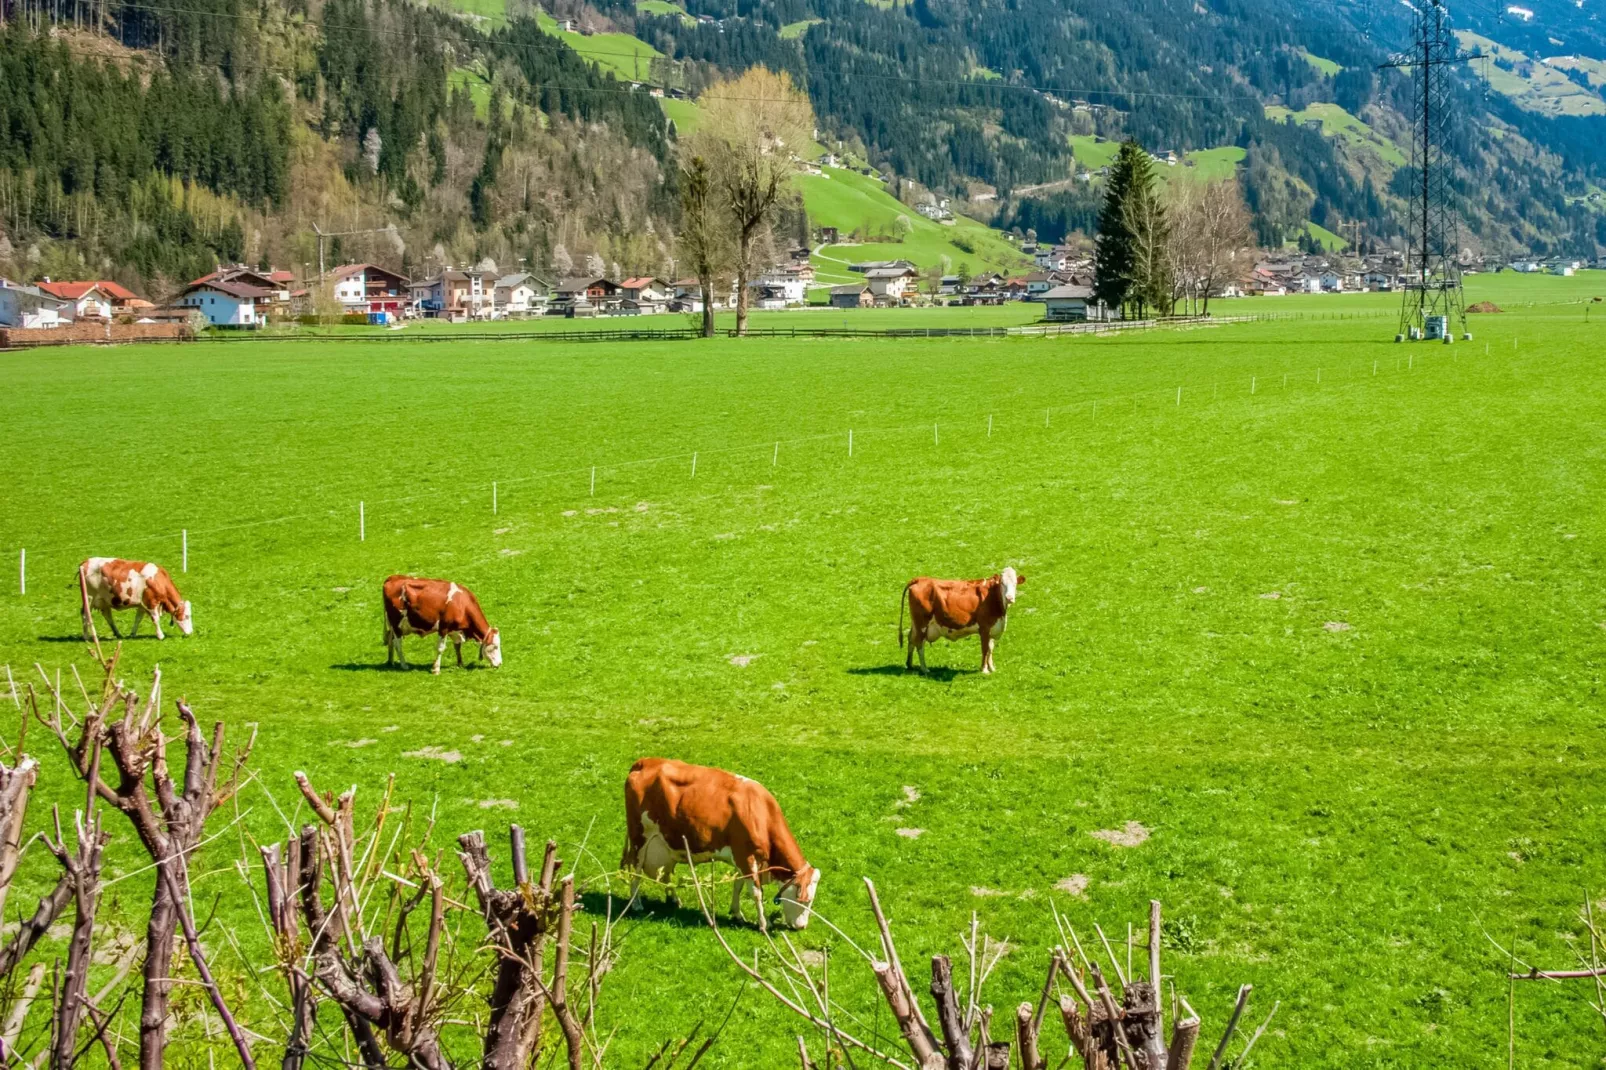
x=1210 y=238
x=754 y=128
x=169 y=817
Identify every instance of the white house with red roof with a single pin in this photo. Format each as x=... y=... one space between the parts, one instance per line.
x=84 y=300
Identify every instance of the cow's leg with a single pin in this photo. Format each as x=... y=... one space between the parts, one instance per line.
x=156 y=622
x=758 y=896
x=736 y=898
x=671 y=879
x=138 y=616
x=457 y=641
x=922 y=654
x=440 y=652
x=111 y=622
x=401 y=649
x=986 y=652
x=909 y=655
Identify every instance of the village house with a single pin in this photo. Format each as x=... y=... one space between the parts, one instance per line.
x=227 y=304
x=367 y=288
x=520 y=294
x=29 y=307
x=890 y=285
x=582 y=296
x=785 y=286
x=650 y=294
x=277 y=284
x=83 y=300
x=852 y=295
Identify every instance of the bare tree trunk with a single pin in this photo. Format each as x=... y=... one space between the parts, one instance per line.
x=743 y=251
x=954 y=1036
x=15 y=784
x=83 y=866
x=706 y=282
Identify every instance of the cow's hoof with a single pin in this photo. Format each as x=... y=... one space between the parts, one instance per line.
x=436 y=671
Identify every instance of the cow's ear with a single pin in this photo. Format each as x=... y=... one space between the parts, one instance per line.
x=1020 y=579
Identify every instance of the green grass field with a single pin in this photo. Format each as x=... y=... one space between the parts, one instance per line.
x=793 y=30
x=1336 y=122
x=1531 y=84
x=1322 y=64
x=850 y=201
x=629 y=58
x=1338 y=644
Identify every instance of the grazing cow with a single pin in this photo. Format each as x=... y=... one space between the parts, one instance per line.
x=673 y=808
x=108 y=583
x=436 y=607
x=955 y=609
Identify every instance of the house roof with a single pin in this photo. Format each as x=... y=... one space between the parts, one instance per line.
x=241 y=290
x=639 y=283
x=1069 y=293
x=72 y=291
x=39 y=297
x=347 y=270
x=515 y=279
x=889 y=273
x=578 y=284
x=117 y=292
x=849 y=289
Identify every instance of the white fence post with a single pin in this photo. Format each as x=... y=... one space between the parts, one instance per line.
x=1179 y=397
x=362 y=522
x=493 y=497
x=850 y=442
x=693 y=462
x=184 y=561
x=593 y=481
x=989 y=426
x=935 y=441
x=22 y=572
x=1251 y=384
x=775 y=458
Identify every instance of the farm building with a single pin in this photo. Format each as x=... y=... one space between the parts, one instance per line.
x=1071 y=304
x=853 y=295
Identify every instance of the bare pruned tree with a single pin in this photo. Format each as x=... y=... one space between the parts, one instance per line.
x=168 y=815
x=1106 y=1026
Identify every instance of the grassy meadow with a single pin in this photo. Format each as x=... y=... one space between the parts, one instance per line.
x=1331 y=627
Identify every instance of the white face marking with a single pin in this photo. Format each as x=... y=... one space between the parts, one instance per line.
x=185 y=620
x=493 y=648
x=1008 y=577
x=451 y=591
x=795 y=901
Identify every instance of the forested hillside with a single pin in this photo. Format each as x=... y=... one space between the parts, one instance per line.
x=147 y=144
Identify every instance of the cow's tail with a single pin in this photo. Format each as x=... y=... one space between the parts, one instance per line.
x=903 y=601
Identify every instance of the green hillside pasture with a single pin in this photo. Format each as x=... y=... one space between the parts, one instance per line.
x=1206 y=165
x=685 y=114
x=851 y=201
x=1326 y=66
x=1594 y=69
x=1531 y=85
x=1093 y=153
x=627 y=57
x=1330 y=242
x=664 y=7
x=1336 y=122
x=1336 y=646
x=793 y=30
x=491 y=12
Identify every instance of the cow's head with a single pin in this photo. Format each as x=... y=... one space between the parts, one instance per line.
x=491 y=648
x=1009 y=579
x=184 y=620
x=797 y=897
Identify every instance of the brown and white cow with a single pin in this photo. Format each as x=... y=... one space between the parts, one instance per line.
x=956 y=609
x=108 y=583
x=674 y=808
x=436 y=607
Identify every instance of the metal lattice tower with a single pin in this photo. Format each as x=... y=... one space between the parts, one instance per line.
x=1433 y=271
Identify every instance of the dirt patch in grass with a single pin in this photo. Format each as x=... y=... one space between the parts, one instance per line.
x=1484 y=306
x=911 y=834
x=438 y=754
x=1129 y=835
x=1076 y=884
x=1336 y=626
x=742 y=661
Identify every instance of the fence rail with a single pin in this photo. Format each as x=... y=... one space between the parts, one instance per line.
x=22 y=340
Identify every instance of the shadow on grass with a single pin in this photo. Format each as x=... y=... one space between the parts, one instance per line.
x=653 y=907
x=380 y=666
x=941 y=674
x=81 y=639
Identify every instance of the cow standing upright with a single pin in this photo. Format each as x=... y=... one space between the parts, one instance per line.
x=436 y=607
x=955 y=609
x=677 y=812
x=108 y=583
